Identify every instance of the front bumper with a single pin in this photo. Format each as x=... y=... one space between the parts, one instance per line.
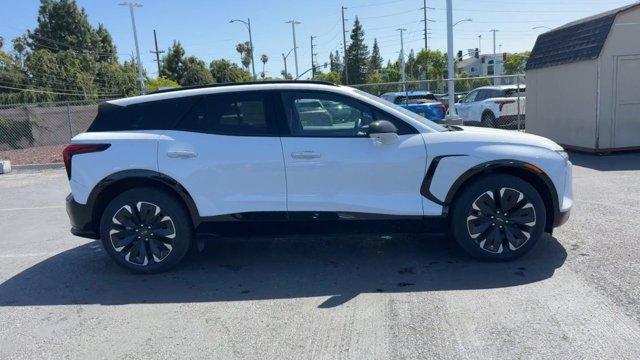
x=561 y=218
x=81 y=219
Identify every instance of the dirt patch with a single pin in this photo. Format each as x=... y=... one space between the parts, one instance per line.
x=34 y=155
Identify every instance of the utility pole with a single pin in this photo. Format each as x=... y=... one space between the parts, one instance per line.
x=402 y=70
x=426 y=37
x=131 y=5
x=313 y=54
x=157 y=52
x=295 y=46
x=450 y=69
x=248 y=25
x=480 y=44
x=344 y=44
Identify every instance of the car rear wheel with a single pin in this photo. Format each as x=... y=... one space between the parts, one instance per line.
x=146 y=230
x=498 y=217
x=488 y=120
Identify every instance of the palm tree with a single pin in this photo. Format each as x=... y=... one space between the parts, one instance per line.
x=264 y=58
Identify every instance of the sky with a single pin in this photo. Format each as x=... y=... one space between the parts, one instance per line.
x=203 y=28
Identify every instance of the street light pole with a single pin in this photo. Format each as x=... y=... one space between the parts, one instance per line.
x=295 y=46
x=131 y=5
x=479 y=43
x=450 y=68
x=495 y=66
x=284 y=57
x=248 y=25
x=253 y=62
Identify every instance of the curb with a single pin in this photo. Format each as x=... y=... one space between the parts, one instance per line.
x=5 y=166
x=38 y=167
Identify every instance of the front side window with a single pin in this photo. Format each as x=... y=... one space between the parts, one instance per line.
x=471 y=97
x=242 y=114
x=336 y=116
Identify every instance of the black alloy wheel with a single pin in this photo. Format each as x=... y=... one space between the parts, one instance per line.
x=501 y=219
x=146 y=230
x=142 y=233
x=498 y=217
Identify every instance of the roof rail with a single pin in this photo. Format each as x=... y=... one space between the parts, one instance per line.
x=246 y=83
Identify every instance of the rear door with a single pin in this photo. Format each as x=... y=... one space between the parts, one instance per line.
x=226 y=152
x=333 y=166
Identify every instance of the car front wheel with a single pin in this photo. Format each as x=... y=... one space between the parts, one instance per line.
x=498 y=217
x=146 y=230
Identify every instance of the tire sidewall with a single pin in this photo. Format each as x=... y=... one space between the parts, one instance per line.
x=471 y=192
x=488 y=120
x=172 y=208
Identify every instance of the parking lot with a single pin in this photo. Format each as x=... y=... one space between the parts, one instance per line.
x=576 y=295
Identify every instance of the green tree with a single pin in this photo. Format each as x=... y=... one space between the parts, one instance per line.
x=224 y=71
x=174 y=64
x=160 y=83
x=331 y=76
x=287 y=76
x=375 y=61
x=244 y=49
x=263 y=58
x=434 y=60
x=515 y=63
x=357 y=55
x=62 y=26
x=196 y=73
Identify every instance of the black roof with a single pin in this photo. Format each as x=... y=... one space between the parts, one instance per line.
x=576 y=41
x=257 y=82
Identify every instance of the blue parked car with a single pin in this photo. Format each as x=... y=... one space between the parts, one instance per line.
x=422 y=103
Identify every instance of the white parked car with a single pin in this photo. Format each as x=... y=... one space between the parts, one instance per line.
x=493 y=106
x=155 y=174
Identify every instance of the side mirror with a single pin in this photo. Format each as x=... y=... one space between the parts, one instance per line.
x=383 y=131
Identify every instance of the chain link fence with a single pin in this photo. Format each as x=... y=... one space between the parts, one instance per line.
x=490 y=101
x=37 y=133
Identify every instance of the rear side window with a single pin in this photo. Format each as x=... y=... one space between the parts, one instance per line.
x=242 y=114
x=152 y=115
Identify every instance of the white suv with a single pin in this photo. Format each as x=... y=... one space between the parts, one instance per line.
x=494 y=106
x=155 y=174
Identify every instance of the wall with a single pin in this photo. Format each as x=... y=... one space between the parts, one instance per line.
x=623 y=40
x=561 y=103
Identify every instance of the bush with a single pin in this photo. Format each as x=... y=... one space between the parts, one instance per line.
x=12 y=132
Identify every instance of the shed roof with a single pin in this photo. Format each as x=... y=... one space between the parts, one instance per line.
x=579 y=40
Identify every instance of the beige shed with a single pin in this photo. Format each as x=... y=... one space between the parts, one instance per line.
x=583 y=82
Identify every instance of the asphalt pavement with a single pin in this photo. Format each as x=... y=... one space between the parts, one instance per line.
x=575 y=296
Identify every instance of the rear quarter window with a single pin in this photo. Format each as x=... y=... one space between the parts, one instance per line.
x=152 y=115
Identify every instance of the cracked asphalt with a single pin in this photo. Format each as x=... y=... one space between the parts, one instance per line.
x=575 y=296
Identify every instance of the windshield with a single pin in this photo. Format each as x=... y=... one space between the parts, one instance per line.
x=411 y=114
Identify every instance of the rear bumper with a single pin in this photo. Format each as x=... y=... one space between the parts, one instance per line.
x=81 y=219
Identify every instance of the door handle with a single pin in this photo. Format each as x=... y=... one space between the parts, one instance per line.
x=305 y=155
x=181 y=154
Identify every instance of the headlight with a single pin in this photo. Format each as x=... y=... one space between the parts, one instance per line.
x=563 y=153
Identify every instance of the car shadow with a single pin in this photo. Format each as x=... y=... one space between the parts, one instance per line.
x=625 y=161
x=278 y=268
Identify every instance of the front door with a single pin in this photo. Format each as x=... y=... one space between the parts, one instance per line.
x=333 y=166
x=626 y=123
x=464 y=106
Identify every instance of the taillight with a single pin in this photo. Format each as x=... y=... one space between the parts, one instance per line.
x=501 y=103
x=75 y=149
x=443 y=107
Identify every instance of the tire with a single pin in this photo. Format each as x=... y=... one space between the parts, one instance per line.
x=146 y=230
x=498 y=230
x=488 y=120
